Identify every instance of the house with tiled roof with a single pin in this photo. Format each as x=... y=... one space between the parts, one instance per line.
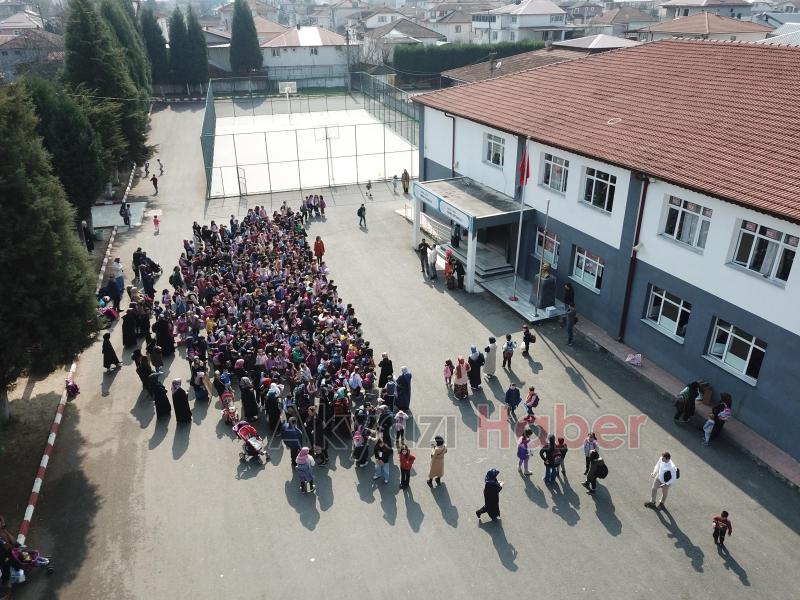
x=33 y=46
x=735 y=9
x=660 y=181
x=524 y=20
x=20 y=22
x=704 y=26
x=455 y=26
x=620 y=21
x=379 y=44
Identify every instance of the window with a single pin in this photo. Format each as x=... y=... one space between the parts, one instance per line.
x=314 y=51
x=276 y=52
x=494 y=35
x=737 y=349
x=495 y=149
x=556 y=18
x=547 y=246
x=5 y=53
x=600 y=188
x=555 y=172
x=687 y=222
x=514 y=20
x=588 y=269
x=382 y=19
x=765 y=251
x=668 y=312
x=458 y=28
x=484 y=18
x=18 y=52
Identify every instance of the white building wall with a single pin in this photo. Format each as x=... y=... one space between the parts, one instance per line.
x=569 y=208
x=470 y=150
x=303 y=57
x=709 y=269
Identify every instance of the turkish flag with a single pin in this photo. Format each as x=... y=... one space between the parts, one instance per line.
x=524 y=166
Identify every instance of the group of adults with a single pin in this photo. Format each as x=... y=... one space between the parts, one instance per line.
x=454 y=271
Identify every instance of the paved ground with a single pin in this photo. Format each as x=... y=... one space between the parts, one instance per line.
x=132 y=509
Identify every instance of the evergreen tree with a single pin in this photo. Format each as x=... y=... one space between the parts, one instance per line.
x=74 y=145
x=129 y=40
x=39 y=254
x=106 y=117
x=177 y=46
x=155 y=45
x=245 y=49
x=196 y=50
x=93 y=61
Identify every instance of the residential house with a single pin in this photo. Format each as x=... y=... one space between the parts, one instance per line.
x=342 y=11
x=620 y=21
x=526 y=20
x=376 y=17
x=266 y=30
x=379 y=44
x=438 y=10
x=735 y=9
x=789 y=6
x=311 y=56
x=258 y=8
x=788 y=33
x=12 y=7
x=32 y=46
x=776 y=19
x=456 y=26
x=319 y=16
x=674 y=217
x=595 y=43
x=706 y=26
x=582 y=12
x=19 y=22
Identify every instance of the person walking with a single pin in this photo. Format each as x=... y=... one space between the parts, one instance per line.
x=548 y=456
x=436 y=471
x=292 y=438
x=589 y=444
x=403 y=382
x=146 y=168
x=362 y=216
x=513 y=398
x=160 y=167
x=422 y=251
x=387 y=369
x=180 y=402
x=490 y=358
x=491 y=496
x=400 y=420
x=109 y=354
x=154 y=181
x=664 y=475
x=88 y=236
x=572 y=318
x=528 y=338
x=433 y=254
x=406 y=462
x=476 y=361
x=561 y=450
x=156 y=224
x=394 y=184
x=406 y=179
x=508 y=351
x=305 y=470
x=461 y=379
x=249 y=405
x=722 y=526
x=447 y=372
x=459 y=267
x=369 y=189
x=597 y=470
x=523 y=451
x=383 y=459
x=319 y=249
x=531 y=402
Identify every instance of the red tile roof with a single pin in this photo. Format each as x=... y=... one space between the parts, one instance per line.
x=704 y=23
x=717 y=117
x=513 y=64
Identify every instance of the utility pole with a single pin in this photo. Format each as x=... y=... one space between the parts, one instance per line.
x=492 y=62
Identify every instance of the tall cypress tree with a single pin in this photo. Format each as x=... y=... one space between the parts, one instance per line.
x=39 y=251
x=177 y=46
x=129 y=40
x=155 y=45
x=94 y=62
x=245 y=49
x=196 y=49
x=75 y=146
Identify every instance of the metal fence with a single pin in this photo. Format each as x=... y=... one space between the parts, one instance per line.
x=275 y=143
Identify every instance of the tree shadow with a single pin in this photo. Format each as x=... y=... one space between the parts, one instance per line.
x=565 y=502
x=108 y=380
x=159 y=433
x=606 y=512
x=730 y=564
x=414 y=513
x=682 y=541
x=448 y=510
x=305 y=505
x=180 y=441
x=505 y=550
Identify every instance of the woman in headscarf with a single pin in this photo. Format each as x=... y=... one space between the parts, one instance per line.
x=143 y=368
x=476 y=361
x=438 y=450
x=249 y=405
x=491 y=495
x=403 y=389
x=163 y=330
x=159 y=392
x=304 y=469
x=272 y=406
x=109 y=354
x=386 y=370
x=490 y=365
x=129 y=337
x=180 y=402
x=460 y=378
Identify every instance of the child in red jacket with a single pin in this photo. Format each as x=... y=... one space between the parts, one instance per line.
x=721 y=526
x=406 y=462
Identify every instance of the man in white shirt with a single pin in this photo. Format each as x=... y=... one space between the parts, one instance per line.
x=118 y=273
x=664 y=475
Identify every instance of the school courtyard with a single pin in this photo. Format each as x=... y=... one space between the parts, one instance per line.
x=132 y=510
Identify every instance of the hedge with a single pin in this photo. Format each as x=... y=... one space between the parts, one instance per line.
x=421 y=60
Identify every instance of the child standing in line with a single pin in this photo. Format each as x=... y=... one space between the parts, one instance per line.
x=531 y=402
x=400 y=428
x=508 y=350
x=449 y=367
x=513 y=399
x=156 y=223
x=523 y=451
x=722 y=526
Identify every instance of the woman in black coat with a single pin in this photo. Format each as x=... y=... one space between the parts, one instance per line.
x=386 y=370
x=180 y=402
x=249 y=404
x=164 y=337
x=476 y=361
x=163 y=409
x=109 y=354
x=129 y=337
x=491 y=495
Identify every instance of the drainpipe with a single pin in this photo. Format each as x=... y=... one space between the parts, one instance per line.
x=634 y=250
x=452 y=146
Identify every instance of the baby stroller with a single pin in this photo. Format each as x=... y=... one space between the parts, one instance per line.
x=25 y=560
x=253 y=444
x=229 y=413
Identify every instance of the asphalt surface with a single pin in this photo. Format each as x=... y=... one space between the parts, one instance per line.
x=136 y=509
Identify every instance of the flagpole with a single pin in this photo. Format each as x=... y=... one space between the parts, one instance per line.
x=524 y=174
x=541 y=262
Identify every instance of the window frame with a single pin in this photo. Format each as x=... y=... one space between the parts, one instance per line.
x=314 y=51
x=784 y=243
x=539 y=249
x=490 y=143
x=734 y=334
x=585 y=256
x=656 y=323
x=685 y=209
x=593 y=177
x=549 y=163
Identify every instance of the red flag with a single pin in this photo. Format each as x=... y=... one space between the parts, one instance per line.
x=524 y=166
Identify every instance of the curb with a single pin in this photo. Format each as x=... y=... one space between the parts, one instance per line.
x=48 y=451
x=105 y=260
x=669 y=396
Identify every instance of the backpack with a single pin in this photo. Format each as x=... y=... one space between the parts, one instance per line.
x=602 y=471
x=122 y=211
x=535 y=400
